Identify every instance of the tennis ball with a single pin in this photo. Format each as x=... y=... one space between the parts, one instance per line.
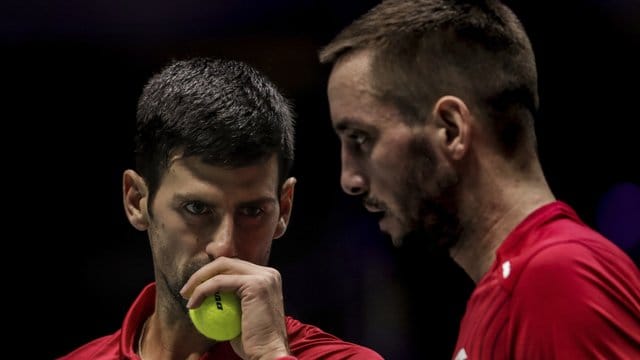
x=218 y=317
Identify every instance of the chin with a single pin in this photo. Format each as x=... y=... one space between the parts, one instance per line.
x=395 y=231
x=397 y=240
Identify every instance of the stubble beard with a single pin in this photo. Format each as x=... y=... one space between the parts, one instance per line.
x=429 y=198
x=175 y=281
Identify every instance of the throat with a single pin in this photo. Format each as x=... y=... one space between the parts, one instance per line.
x=474 y=259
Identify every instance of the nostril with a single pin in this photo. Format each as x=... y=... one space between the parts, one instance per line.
x=352 y=183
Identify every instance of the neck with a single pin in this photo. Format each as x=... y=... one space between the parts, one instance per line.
x=493 y=206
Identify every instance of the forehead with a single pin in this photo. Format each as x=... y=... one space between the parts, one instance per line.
x=194 y=175
x=352 y=99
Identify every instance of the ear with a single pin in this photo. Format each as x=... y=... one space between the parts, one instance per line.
x=286 y=204
x=454 y=125
x=135 y=196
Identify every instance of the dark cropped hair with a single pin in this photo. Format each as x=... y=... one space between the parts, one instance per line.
x=223 y=111
x=425 y=49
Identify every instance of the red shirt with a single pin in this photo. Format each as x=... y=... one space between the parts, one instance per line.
x=305 y=341
x=557 y=290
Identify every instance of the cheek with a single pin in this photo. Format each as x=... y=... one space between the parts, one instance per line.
x=171 y=238
x=389 y=166
x=254 y=239
x=254 y=244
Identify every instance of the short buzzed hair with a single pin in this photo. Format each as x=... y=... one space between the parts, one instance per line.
x=425 y=49
x=224 y=111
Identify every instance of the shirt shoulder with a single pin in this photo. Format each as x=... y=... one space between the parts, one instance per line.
x=310 y=342
x=574 y=267
x=104 y=348
x=556 y=248
x=576 y=296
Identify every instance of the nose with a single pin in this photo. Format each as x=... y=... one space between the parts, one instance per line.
x=352 y=178
x=222 y=242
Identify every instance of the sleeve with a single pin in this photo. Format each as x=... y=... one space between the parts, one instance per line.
x=309 y=342
x=568 y=304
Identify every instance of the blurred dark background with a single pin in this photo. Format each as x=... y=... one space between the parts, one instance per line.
x=72 y=72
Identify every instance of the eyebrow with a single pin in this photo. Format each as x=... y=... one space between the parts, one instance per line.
x=268 y=200
x=260 y=201
x=345 y=123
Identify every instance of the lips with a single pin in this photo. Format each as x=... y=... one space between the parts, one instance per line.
x=373 y=209
x=373 y=205
x=377 y=208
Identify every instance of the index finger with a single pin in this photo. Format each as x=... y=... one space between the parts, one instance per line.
x=221 y=265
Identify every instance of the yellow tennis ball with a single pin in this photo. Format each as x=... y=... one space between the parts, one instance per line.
x=218 y=317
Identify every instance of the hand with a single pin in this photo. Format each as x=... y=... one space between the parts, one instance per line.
x=264 y=335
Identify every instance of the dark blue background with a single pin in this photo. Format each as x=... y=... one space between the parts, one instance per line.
x=73 y=71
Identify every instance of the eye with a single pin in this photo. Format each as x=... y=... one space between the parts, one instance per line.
x=251 y=211
x=197 y=208
x=358 y=137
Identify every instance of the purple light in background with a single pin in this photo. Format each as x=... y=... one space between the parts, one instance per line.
x=618 y=215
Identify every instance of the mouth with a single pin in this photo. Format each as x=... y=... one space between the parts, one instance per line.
x=374 y=206
x=377 y=208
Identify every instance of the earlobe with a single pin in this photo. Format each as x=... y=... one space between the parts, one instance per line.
x=454 y=118
x=134 y=196
x=286 y=205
